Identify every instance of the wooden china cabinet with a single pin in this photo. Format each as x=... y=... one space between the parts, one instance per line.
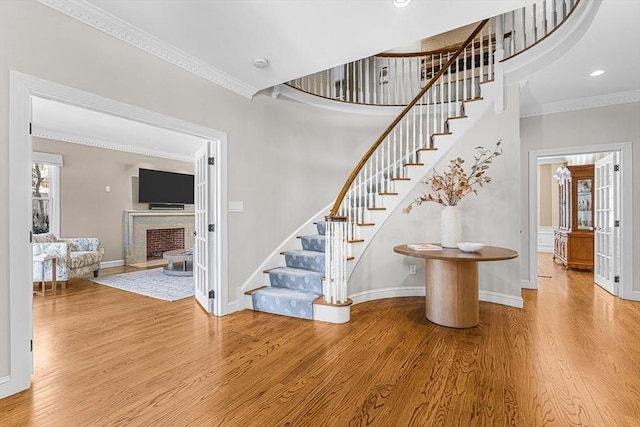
x=573 y=239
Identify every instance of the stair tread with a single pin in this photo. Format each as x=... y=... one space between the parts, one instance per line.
x=287 y=293
x=296 y=271
x=251 y=291
x=302 y=252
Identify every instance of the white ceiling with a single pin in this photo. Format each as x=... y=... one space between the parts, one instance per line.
x=219 y=39
x=612 y=43
x=63 y=122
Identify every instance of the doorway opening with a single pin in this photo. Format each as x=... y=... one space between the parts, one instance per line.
x=22 y=89
x=592 y=221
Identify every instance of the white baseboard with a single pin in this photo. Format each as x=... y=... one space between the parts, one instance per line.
x=526 y=284
x=116 y=263
x=502 y=299
x=418 y=291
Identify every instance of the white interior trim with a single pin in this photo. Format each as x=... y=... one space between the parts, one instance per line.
x=95 y=17
x=545 y=239
x=109 y=145
x=22 y=88
x=115 y=263
x=48 y=158
x=582 y=103
x=54 y=181
x=626 y=211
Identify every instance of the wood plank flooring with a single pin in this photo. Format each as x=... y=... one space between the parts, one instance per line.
x=105 y=357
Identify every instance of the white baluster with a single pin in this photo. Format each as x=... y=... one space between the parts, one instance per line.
x=422 y=139
x=490 y=50
x=367 y=85
x=441 y=87
x=447 y=78
x=360 y=82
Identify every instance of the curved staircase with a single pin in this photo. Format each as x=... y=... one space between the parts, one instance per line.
x=313 y=282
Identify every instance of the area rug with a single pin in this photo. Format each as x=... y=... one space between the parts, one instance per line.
x=151 y=283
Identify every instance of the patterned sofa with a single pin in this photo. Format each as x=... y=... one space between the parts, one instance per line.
x=74 y=257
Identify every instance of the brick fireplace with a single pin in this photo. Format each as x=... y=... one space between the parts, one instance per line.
x=160 y=240
x=138 y=224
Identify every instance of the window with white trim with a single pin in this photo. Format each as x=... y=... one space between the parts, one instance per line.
x=45 y=192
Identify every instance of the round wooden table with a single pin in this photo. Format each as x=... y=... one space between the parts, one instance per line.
x=451 y=282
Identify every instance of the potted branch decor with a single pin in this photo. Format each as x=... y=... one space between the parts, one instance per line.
x=450 y=187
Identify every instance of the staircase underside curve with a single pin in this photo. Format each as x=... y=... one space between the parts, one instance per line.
x=473 y=109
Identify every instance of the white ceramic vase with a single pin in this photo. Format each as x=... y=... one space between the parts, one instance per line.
x=450 y=227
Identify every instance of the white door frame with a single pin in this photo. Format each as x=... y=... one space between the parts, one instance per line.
x=22 y=88
x=626 y=209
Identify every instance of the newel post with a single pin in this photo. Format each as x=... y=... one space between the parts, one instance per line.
x=335 y=282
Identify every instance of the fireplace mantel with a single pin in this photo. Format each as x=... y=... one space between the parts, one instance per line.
x=136 y=224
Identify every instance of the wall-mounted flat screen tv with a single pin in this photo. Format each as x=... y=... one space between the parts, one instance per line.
x=156 y=186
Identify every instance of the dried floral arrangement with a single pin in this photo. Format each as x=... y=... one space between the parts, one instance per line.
x=450 y=187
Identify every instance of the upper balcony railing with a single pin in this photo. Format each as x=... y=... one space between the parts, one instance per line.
x=393 y=79
x=523 y=28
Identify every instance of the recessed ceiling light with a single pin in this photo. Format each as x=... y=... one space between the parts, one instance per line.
x=401 y=3
x=156 y=147
x=596 y=73
x=261 y=63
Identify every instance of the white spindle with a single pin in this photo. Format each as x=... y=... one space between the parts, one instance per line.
x=490 y=49
x=464 y=75
x=360 y=82
x=449 y=99
x=414 y=145
x=376 y=79
x=367 y=86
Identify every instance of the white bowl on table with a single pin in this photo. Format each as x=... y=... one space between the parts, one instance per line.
x=470 y=246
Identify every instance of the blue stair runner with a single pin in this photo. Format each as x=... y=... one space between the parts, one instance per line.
x=294 y=287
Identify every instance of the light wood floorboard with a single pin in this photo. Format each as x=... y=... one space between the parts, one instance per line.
x=105 y=357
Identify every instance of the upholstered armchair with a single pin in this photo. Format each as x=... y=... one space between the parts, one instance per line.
x=74 y=257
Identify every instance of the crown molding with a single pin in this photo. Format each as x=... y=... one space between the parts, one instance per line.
x=97 y=18
x=99 y=143
x=582 y=103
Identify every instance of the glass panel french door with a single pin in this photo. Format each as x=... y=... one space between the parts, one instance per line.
x=201 y=246
x=606 y=233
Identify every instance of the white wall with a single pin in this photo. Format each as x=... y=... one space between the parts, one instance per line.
x=595 y=126
x=286 y=160
x=492 y=217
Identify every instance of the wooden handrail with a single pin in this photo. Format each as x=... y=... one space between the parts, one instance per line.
x=447 y=49
x=414 y=101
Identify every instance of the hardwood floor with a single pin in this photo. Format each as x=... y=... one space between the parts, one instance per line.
x=105 y=357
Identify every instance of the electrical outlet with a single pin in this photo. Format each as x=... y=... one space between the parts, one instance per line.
x=412 y=269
